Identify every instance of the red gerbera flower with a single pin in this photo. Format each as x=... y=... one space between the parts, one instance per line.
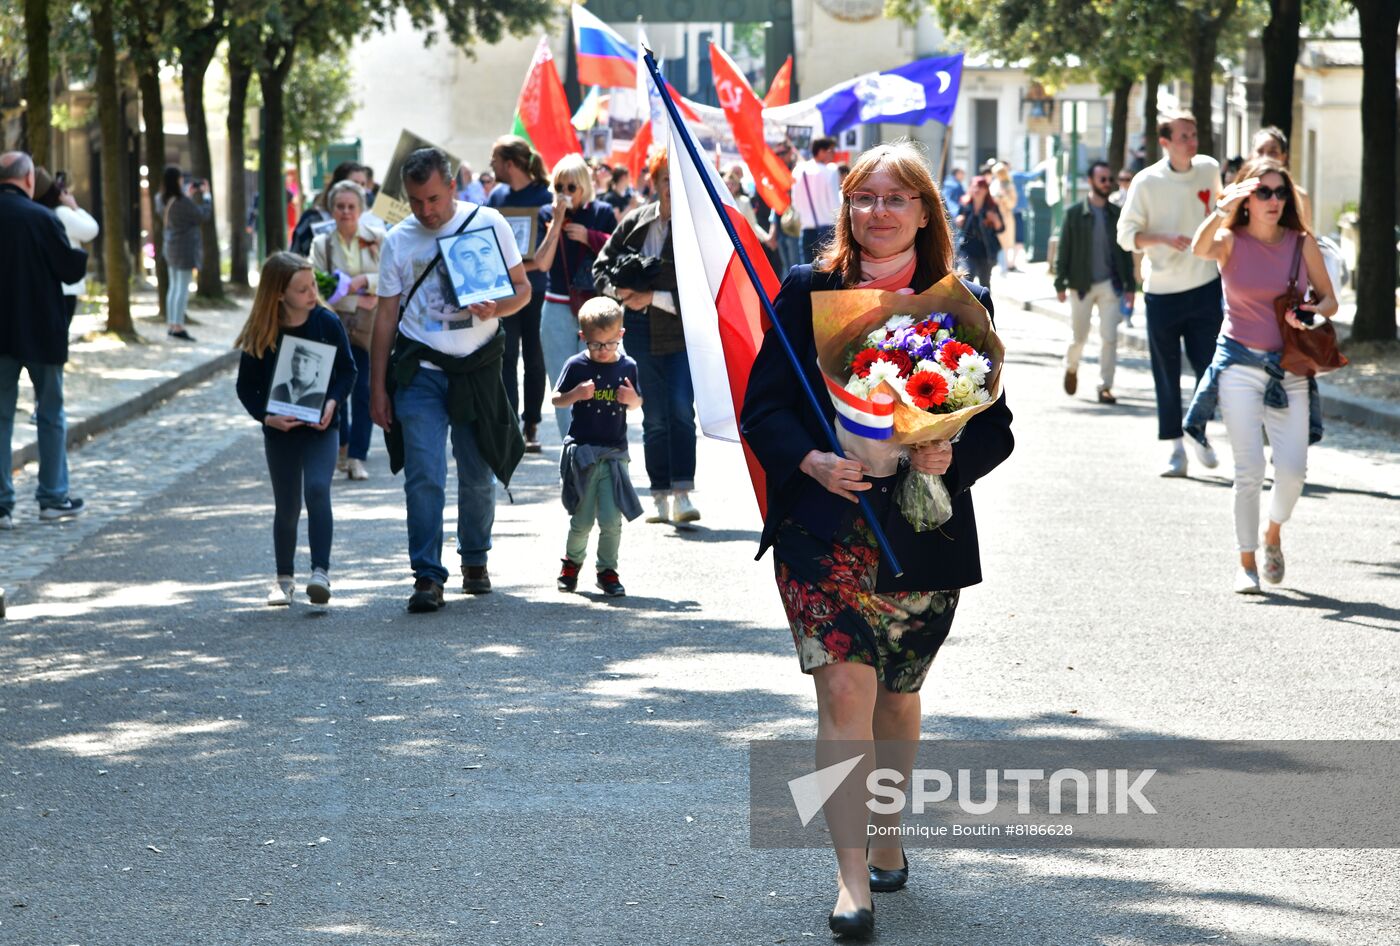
x=861 y=364
x=926 y=328
x=952 y=351
x=927 y=389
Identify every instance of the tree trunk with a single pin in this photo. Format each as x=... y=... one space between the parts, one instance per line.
x=1150 y=84
x=1118 y=137
x=1375 y=263
x=38 y=115
x=154 y=116
x=270 y=154
x=1280 y=42
x=113 y=187
x=1203 y=48
x=240 y=73
x=194 y=66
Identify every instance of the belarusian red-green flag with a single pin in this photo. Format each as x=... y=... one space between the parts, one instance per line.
x=542 y=115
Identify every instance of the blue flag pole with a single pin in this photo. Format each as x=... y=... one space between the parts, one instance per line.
x=797 y=368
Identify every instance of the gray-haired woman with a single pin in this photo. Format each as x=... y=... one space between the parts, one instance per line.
x=353 y=248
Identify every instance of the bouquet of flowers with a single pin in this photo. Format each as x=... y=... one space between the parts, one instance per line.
x=903 y=370
x=332 y=286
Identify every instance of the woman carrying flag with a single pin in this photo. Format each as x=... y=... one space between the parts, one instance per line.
x=866 y=636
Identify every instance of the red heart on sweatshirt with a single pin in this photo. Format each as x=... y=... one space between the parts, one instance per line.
x=1204 y=198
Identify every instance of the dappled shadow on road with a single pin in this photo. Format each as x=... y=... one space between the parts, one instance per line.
x=571 y=767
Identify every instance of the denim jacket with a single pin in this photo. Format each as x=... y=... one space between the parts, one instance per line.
x=1229 y=352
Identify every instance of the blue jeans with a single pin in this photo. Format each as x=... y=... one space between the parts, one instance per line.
x=523 y=342
x=355 y=423
x=53 y=431
x=177 y=297
x=1192 y=318
x=301 y=462
x=668 y=409
x=421 y=407
x=560 y=341
x=790 y=250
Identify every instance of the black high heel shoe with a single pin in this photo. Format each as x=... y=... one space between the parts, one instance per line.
x=853 y=924
x=885 y=881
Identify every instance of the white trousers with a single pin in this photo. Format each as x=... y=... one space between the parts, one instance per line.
x=1081 y=313
x=1246 y=419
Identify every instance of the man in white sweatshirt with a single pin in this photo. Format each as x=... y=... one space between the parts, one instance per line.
x=1165 y=204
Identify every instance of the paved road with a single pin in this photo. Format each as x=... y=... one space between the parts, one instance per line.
x=179 y=763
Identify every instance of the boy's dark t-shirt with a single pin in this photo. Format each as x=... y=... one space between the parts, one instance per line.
x=601 y=421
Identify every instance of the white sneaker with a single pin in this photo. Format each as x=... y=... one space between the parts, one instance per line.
x=685 y=512
x=1205 y=453
x=1176 y=466
x=356 y=470
x=281 y=594
x=1273 y=563
x=318 y=588
x=663 y=508
x=1247 y=582
x=7 y=521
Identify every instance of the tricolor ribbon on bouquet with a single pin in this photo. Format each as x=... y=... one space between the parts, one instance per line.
x=872 y=419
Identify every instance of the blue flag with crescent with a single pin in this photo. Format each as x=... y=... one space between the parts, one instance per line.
x=924 y=90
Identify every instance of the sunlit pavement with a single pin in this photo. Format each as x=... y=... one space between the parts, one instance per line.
x=180 y=763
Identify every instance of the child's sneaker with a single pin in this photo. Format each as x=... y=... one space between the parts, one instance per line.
x=568 y=575
x=318 y=589
x=281 y=594
x=607 y=581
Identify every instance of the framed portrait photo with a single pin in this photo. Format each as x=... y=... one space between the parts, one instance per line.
x=300 y=379
x=476 y=266
x=525 y=224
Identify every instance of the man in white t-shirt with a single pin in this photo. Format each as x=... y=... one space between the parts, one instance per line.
x=445 y=377
x=1166 y=202
x=816 y=193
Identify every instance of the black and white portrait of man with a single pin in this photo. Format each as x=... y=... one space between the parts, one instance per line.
x=476 y=267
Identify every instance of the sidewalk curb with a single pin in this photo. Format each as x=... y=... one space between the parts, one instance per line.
x=1352 y=408
x=135 y=406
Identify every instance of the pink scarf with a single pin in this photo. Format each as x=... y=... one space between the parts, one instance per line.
x=892 y=273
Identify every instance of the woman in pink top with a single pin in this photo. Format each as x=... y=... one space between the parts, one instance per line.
x=1253 y=235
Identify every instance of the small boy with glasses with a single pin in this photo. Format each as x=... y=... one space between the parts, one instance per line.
x=599 y=384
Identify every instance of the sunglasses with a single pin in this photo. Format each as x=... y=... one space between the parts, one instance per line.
x=1269 y=193
x=571 y=188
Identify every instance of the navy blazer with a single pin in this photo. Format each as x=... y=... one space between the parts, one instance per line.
x=35 y=261
x=780 y=427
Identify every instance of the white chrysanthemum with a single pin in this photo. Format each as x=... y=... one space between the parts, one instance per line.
x=974 y=366
x=979 y=396
x=858 y=386
x=924 y=364
x=896 y=322
x=882 y=371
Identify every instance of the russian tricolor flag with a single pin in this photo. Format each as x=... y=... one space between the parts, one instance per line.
x=604 y=58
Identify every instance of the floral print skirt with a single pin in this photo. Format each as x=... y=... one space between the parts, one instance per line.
x=828 y=591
